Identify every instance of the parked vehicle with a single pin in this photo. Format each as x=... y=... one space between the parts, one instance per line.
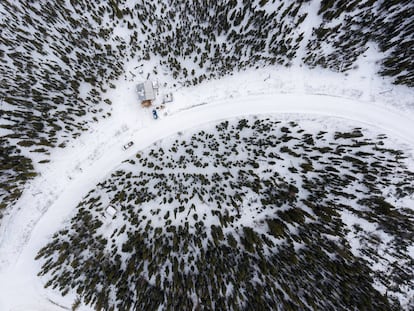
x=127 y=145
x=154 y=114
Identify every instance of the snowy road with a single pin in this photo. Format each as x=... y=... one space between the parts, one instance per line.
x=29 y=230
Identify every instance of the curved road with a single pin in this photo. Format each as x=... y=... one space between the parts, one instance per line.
x=19 y=269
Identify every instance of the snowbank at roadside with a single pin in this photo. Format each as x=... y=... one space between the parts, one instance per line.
x=73 y=171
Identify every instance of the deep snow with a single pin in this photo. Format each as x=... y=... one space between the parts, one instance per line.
x=50 y=198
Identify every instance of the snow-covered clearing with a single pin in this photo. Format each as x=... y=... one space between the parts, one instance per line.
x=75 y=170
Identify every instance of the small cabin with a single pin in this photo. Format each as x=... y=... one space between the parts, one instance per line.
x=146 y=93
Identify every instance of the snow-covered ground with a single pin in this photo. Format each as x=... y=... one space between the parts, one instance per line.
x=74 y=171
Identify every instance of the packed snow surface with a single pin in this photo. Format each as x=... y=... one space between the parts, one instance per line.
x=51 y=197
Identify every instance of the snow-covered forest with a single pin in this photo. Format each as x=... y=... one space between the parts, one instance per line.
x=59 y=58
x=254 y=212
x=235 y=216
